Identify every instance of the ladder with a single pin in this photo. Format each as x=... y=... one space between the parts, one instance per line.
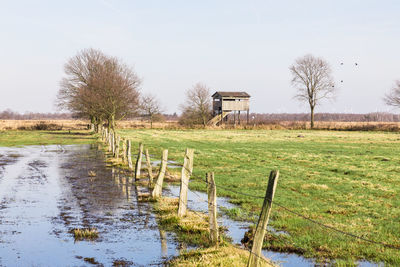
x=218 y=118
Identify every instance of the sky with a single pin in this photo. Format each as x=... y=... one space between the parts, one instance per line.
x=229 y=45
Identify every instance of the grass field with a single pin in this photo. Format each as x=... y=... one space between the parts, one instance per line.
x=347 y=180
x=25 y=138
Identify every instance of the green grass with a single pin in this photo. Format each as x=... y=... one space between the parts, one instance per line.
x=348 y=180
x=24 y=138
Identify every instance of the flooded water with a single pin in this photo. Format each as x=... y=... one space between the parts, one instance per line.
x=46 y=191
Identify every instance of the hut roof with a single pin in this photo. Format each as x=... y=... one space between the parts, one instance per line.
x=231 y=94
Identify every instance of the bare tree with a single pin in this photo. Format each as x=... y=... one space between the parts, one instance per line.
x=99 y=87
x=77 y=92
x=312 y=77
x=393 y=97
x=150 y=107
x=197 y=106
x=118 y=91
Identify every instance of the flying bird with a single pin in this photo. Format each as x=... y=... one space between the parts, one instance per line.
x=356 y=64
x=341 y=81
x=341 y=63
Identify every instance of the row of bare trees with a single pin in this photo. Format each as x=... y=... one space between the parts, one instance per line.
x=312 y=78
x=103 y=89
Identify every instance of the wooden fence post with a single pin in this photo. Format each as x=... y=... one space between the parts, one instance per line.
x=113 y=143
x=110 y=142
x=123 y=150
x=158 y=186
x=261 y=228
x=117 y=142
x=186 y=172
x=128 y=154
x=149 y=168
x=138 y=165
x=212 y=208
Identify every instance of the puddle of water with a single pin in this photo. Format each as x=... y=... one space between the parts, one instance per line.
x=46 y=191
x=198 y=201
x=170 y=164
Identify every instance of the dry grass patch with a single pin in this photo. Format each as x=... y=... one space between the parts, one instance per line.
x=222 y=256
x=315 y=186
x=85 y=233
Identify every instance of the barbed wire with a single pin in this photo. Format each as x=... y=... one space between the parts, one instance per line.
x=397 y=247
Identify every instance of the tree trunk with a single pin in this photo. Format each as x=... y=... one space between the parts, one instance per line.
x=111 y=122
x=312 y=117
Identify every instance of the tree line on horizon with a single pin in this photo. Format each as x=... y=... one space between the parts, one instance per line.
x=103 y=89
x=259 y=118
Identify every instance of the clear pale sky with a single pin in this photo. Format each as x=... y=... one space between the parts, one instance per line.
x=228 y=45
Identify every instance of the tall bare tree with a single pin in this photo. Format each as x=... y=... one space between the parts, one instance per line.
x=197 y=106
x=312 y=77
x=150 y=107
x=99 y=87
x=77 y=92
x=393 y=97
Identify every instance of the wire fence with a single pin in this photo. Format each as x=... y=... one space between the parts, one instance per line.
x=287 y=209
x=307 y=218
x=397 y=247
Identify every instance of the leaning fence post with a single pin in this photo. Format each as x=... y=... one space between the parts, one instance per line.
x=128 y=154
x=158 y=186
x=117 y=142
x=186 y=172
x=138 y=164
x=261 y=228
x=149 y=168
x=212 y=208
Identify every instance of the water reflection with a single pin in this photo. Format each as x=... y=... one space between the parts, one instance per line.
x=47 y=191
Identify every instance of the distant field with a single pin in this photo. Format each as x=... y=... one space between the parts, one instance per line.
x=75 y=124
x=348 y=180
x=138 y=124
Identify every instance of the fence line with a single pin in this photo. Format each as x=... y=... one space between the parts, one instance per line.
x=331 y=228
